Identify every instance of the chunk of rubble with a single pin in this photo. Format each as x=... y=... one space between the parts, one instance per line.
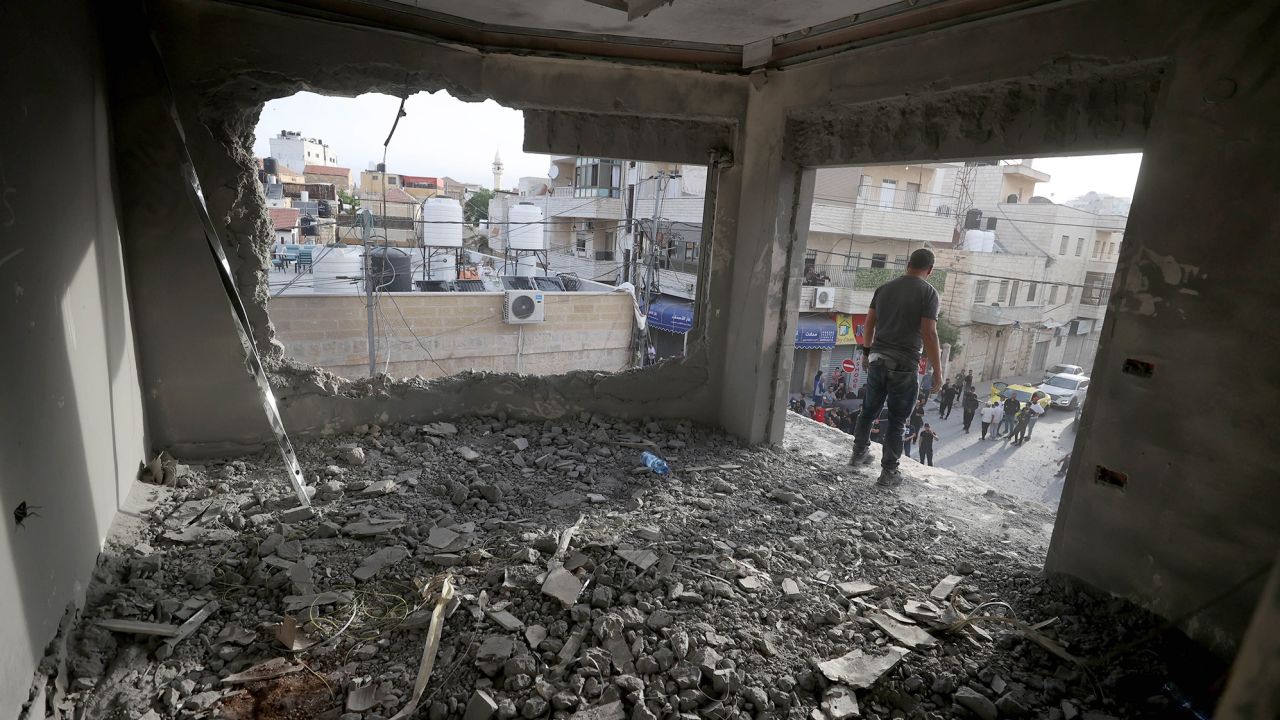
x=945 y=587
x=467 y=453
x=440 y=429
x=610 y=711
x=563 y=586
x=367 y=528
x=481 y=706
x=506 y=620
x=855 y=588
x=534 y=635
x=441 y=538
x=378 y=561
x=909 y=635
x=840 y=703
x=566 y=499
x=860 y=671
x=643 y=559
x=273 y=668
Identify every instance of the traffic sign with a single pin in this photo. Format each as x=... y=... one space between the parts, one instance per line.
x=848 y=365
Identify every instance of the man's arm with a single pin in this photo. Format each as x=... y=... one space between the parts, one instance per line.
x=929 y=331
x=868 y=335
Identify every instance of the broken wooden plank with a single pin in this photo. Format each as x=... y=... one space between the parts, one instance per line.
x=138 y=627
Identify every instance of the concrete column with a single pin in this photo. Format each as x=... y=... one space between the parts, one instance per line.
x=752 y=318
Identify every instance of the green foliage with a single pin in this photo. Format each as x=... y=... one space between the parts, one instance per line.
x=949 y=333
x=347 y=198
x=872 y=278
x=477 y=206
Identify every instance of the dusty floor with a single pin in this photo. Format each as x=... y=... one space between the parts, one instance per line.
x=721 y=591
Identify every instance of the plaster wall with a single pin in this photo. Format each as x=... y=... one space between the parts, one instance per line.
x=457 y=332
x=72 y=422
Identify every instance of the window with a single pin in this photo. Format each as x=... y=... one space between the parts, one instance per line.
x=1062 y=249
x=1031 y=292
x=864 y=187
x=888 y=191
x=911 y=196
x=1097 y=287
x=1013 y=294
x=1003 y=292
x=900 y=261
x=582 y=242
x=1097 y=249
x=980 y=291
x=851 y=262
x=1053 y=294
x=1079 y=246
x=597 y=177
x=1012 y=199
x=878 y=260
x=1111 y=249
x=1071 y=293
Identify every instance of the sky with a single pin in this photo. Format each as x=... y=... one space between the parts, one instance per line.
x=443 y=136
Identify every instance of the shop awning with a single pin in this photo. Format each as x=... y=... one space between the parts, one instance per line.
x=671 y=314
x=815 y=332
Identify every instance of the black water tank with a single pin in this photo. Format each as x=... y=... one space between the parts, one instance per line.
x=308 y=225
x=973 y=219
x=390 y=269
x=269 y=166
x=324 y=209
x=991 y=223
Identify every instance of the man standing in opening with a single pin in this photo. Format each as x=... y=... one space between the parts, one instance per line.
x=970 y=406
x=902 y=319
x=945 y=399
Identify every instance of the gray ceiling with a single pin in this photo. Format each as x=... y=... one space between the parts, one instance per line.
x=725 y=22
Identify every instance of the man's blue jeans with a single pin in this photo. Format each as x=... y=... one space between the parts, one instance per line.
x=897 y=389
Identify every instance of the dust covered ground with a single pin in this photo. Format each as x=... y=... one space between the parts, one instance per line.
x=750 y=583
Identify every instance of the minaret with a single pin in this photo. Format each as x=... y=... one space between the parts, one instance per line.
x=497 y=170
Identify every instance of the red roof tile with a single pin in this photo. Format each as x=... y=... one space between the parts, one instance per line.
x=327 y=170
x=283 y=218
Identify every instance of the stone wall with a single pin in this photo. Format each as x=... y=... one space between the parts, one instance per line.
x=456 y=332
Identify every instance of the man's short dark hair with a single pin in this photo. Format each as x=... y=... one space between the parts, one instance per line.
x=921 y=259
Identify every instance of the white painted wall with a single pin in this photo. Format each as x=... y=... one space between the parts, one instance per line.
x=72 y=429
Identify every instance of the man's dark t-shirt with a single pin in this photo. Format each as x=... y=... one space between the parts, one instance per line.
x=900 y=305
x=926 y=441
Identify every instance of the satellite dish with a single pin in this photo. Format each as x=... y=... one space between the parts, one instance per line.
x=553 y=172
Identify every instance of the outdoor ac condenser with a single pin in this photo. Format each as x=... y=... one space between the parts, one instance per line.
x=824 y=297
x=522 y=306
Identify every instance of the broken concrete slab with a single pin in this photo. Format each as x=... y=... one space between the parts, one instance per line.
x=643 y=559
x=298 y=602
x=467 y=453
x=379 y=560
x=650 y=533
x=909 y=635
x=441 y=538
x=610 y=711
x=975 y=702
x=750 y=583
x=791 y=590
x=855 y=588
x=440 y=429
x=506 y=620
x=138 y=627
x=297 y=514
x=945 y=587
x=566 y=499
x=195 y=535
x=563 y=586
x=534 y=635
x=818 y=516
x=273 y=668
x=840 y=703
x=481 y=706
x=859 y=670
x=362 y=698
x=366 y=528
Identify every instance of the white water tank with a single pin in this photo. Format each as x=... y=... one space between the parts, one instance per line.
x=528 y=267
x=980 y=240
x=334 y=270
x=443 y=226
x=525 y=230
x=442 y=266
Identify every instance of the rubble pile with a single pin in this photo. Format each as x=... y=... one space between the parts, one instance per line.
x=749 y=583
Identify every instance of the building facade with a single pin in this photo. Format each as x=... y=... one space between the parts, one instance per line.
x=296 y=152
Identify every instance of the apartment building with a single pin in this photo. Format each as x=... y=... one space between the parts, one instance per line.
x=296 y=152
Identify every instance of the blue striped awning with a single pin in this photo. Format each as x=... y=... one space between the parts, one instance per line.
x=815 y=332
x=671 y=314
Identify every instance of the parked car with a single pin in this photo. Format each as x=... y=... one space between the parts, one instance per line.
x=1066 y=390
x=1022 y=393
x=1061 y=369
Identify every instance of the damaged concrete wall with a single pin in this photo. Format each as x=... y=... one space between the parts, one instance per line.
x=221 y=82
x=72 y=422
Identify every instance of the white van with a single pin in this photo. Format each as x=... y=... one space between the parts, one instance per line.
x=1065 y=389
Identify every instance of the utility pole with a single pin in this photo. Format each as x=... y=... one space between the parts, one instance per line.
x=651 y=259
x=628 y=273
x=365 y=218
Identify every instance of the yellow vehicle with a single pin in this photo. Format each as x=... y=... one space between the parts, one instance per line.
x=1022 y=393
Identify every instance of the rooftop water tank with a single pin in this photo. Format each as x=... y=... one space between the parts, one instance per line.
x=979 y=240
x=525 y=230
x=390 y=269
x=443 y=226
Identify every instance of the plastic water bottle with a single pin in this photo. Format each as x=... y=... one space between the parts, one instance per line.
x=655 y=463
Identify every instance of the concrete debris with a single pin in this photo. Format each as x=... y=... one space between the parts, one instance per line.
x=840 y=703
x=911 y=636
x=715 y=598
x=379 y=560
x=855 y=588
x=273 y=668
x=945 y=587
x=563 y=586
x=859 y=670
x=976 y=703
x=137 y=627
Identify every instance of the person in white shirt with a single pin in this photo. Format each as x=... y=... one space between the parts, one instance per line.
x=992 y=414
x=1037 y=409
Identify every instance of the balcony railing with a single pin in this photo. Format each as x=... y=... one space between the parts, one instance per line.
x=995 y=314
x=863 y=276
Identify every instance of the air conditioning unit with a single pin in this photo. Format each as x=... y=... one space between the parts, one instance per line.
x=824 y=297
x=522 y=306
